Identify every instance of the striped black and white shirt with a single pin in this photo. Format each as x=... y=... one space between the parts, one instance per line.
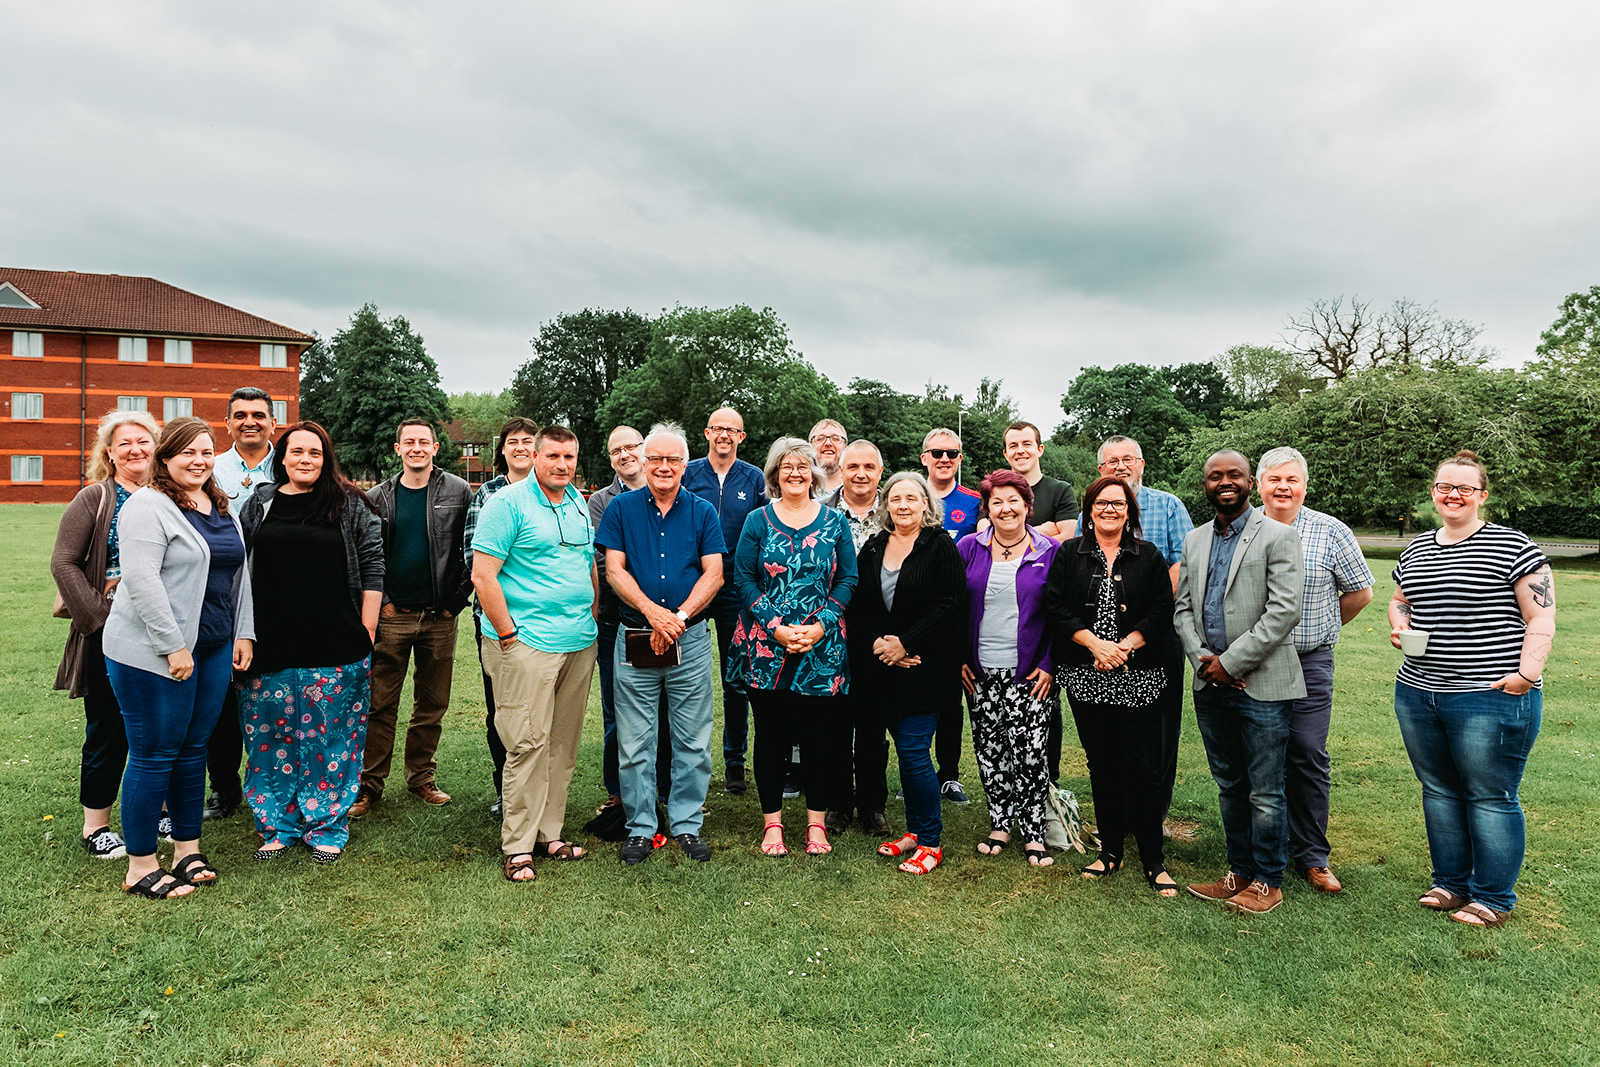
x=1464 y=596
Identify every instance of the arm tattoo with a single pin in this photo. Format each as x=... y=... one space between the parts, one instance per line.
x=1401 y=607
x=1543 y=588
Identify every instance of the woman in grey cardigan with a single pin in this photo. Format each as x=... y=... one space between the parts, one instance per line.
x=180 y=625
x=86 y=566
x=316 y=559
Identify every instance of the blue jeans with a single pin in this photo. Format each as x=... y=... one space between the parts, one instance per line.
x=913 y=737
x=1246 y=741
x=1469 y=751
x=735 y=701
x=638 y=692
x=168 y=725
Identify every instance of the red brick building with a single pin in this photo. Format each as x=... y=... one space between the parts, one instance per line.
x=74 y=346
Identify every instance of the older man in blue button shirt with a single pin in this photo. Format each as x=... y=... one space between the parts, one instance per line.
x=664 y=551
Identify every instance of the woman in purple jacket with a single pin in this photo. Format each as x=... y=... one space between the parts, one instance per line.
x=1008 y=668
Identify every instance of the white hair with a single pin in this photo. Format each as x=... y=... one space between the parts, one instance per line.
x=1277 y=457
x=668 y=429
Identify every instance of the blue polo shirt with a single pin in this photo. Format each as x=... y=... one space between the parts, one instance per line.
x=1224 y=540
x=735 y=496
x=663 y=550
x=547 y=556
x=961 y=511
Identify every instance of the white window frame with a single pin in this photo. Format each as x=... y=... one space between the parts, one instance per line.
x=133 y=350
x=275 y=356
x=280 y=411
x=133 y=403
x=27 y=468
x=27 y=345
x=173 y=407
x=176 y=351
x=27 y=405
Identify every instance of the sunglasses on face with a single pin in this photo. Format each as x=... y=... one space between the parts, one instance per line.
x=945 y=453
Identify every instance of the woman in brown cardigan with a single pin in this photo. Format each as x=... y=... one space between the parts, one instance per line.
x=86 y=566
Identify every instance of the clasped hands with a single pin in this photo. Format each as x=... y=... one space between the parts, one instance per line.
x=1211 y=671
x=665 y=628
x=1109 y=655
x=889 y=649
x=797 y=639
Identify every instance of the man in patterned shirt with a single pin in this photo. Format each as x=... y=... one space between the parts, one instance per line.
x=1338 y=586
x=1164 y=522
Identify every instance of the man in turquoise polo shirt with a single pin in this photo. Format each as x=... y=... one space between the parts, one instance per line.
x=533 y=569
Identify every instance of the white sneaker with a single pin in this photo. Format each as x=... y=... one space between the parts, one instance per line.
x=105 y=844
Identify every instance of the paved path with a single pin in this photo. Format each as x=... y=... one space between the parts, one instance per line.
x=1552 y=549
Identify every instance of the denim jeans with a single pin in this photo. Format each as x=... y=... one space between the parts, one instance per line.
x=913 y=736
x=1246 y=741
x=168 y=725
x=1469 y=751
x=638 y=691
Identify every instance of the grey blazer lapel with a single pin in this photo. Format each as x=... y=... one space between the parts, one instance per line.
x=1252 y=527
x=1198 y=565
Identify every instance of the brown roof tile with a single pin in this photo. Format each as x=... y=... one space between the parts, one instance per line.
x=115 y=302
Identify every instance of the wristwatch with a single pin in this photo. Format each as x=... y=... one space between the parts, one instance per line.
x=683 y=616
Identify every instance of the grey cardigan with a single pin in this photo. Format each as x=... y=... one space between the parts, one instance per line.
x=164 y=565
x=360 y=526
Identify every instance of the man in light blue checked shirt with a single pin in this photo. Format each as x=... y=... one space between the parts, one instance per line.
x=1164 y=522
x=1338 y=585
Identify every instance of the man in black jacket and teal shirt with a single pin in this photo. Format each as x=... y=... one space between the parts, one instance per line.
x=426 y=586
x=735 y=488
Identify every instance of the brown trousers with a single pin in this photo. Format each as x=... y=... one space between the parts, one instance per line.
x=431 y=639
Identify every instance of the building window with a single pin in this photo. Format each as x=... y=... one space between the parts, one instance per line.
x=27 y=468
x=27 y=405
x=133 y=349
x=27 y=344
x=173 y=406
x=179 y=351
x=280 y=411
x=133 y=403
x=274 y=355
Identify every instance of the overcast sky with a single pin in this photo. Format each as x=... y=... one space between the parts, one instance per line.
x=920 y=190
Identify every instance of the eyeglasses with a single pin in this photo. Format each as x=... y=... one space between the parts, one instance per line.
x=828 y=439
x=1116 y=462
x=945 y=453
x=731 y=431
x=1445 y=489
x=1111 y=506
x=620 y=449
x=583 y=538
x=795 y=468
x=657 y=461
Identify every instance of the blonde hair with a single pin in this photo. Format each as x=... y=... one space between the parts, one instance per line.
x=100 y=465
x=933 y=507
x=1465 y=458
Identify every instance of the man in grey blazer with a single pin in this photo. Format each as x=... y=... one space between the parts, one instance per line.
x=1239 y=597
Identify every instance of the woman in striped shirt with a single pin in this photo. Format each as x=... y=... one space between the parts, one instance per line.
x=1469 y=702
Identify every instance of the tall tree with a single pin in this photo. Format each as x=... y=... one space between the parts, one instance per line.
x=578 y=359
x=1203 y=391
x=372 y=374
x=1332 y=335
x=1577 y=329
x=1261 y=374
x=481 y=414
x=891 y=420
x=1130 y=399
x=704 y=358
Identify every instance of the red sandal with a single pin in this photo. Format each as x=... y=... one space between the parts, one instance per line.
x=898 y=847
x=817 y=848
x=923 y=860
x=773 y=848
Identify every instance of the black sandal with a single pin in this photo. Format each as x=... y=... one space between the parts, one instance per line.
x=996 y=845
x=1109 y=865
x=1036 y=857
x=195 y=869
x=146 y=886
x=1165 y=889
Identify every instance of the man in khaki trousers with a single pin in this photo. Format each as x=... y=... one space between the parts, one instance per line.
x=533 y=569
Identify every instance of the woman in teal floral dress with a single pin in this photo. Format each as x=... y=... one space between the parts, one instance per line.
x=794 y=568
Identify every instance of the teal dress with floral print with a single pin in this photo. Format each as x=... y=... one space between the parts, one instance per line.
x=792 y=577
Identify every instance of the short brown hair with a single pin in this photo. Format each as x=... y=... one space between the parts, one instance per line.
x=1100 y=485
x=418 y=420
x=515 y=424
x=1038 y=438
x=559 y=434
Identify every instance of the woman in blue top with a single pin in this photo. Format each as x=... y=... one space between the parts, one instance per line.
x=181 y=623
x=794 y=568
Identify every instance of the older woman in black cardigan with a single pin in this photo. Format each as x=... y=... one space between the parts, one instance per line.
x=906 y=634
x=1108 y=609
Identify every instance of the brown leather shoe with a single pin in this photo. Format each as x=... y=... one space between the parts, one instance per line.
x=363 y=804
x=1321 y=878
x=1257 y=898
x=1229 y=885
x=431 y=794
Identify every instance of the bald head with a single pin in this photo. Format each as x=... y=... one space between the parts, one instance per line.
x=724 y=432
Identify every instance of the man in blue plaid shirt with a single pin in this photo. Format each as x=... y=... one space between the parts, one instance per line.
x=1164 y=522
x=1338 y=586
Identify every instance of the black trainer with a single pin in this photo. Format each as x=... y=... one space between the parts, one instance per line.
x=219 y=808
x=105 y=844
x=737 y=785
x=635 y=850
x=693 y=847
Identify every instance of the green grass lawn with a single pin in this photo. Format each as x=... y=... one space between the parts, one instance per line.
x=414 y=950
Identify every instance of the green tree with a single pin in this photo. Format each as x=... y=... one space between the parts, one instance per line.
x=578 y=359
x=482 y=414
x=891 y=420
x=1576 y=330
x=1130 y=399
x=1260 y=374
x=1203 y=391
x=701 y=359
x=368 y=377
